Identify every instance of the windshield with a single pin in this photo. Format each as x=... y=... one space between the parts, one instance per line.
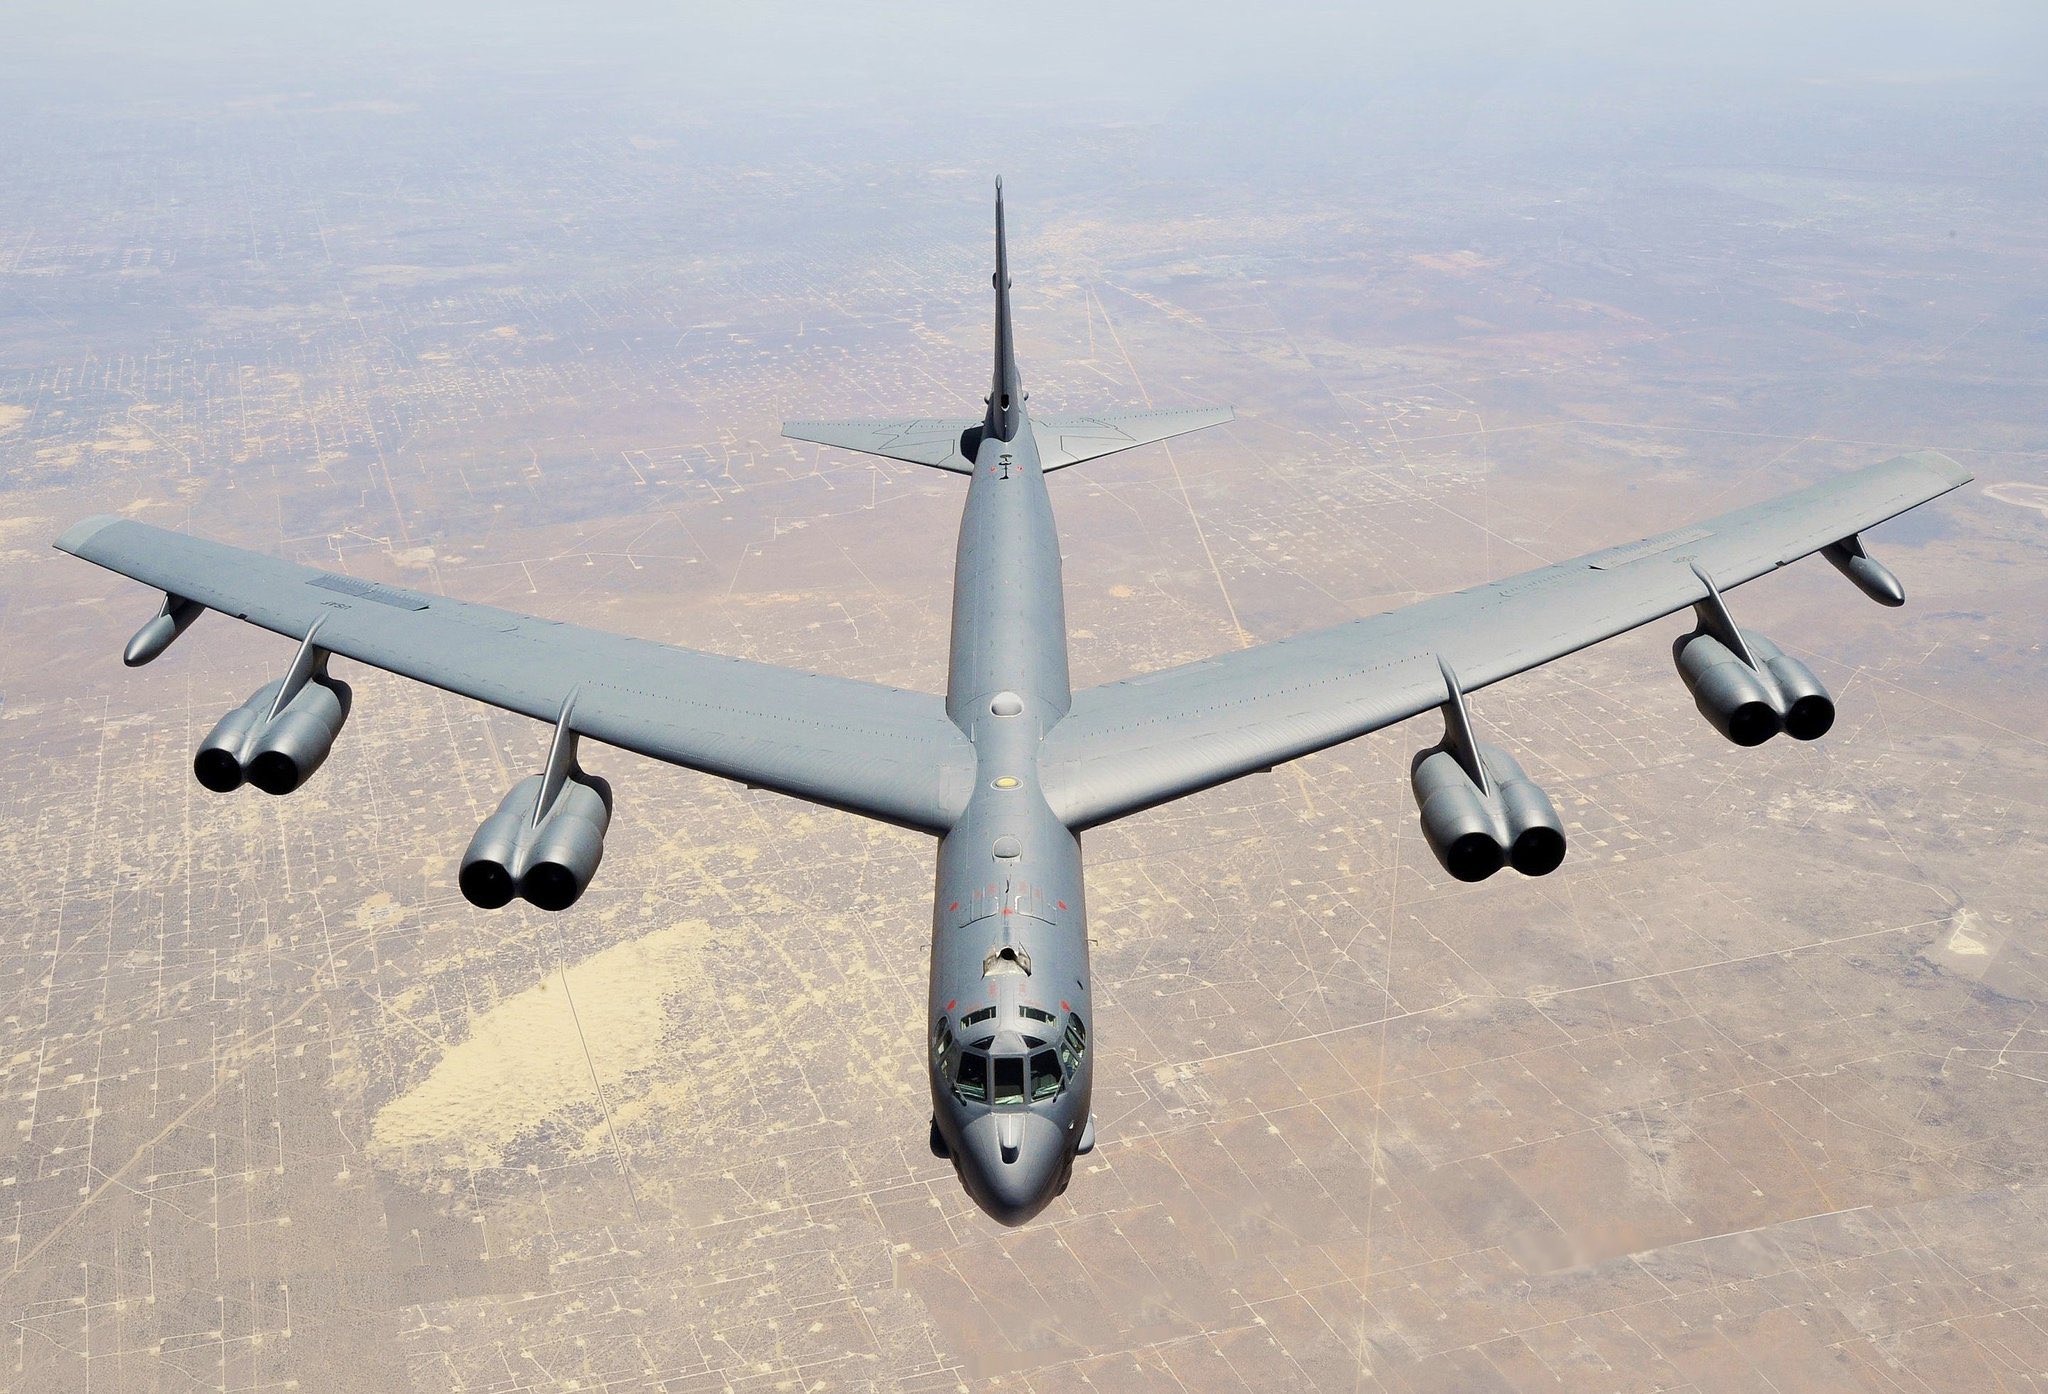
x=1035 y=1075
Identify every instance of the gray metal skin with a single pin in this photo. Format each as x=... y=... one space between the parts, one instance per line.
x=1009 y=872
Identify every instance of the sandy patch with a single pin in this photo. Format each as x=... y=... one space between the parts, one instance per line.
x=524 y=1060
x=1460 y=263
x=124 y=439
x=2034 y=496
x=1968 y=947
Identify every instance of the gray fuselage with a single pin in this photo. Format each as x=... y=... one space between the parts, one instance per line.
x=1009 y=973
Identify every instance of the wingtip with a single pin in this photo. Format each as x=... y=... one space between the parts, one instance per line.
x=80 y=533
x=1947 y=470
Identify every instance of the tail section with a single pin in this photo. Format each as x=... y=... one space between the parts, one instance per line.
x=940 y=443
x=951 y=443
x=1068 y=440
x=1006 y=391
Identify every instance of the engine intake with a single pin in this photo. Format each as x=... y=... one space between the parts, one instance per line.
x=547 y=858
x=1750 y=704
x=276 y=748
x=1472 y=830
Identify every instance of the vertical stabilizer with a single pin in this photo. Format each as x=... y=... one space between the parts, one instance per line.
x=1006 y=392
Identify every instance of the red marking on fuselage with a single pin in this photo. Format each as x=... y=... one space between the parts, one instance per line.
x=1063 y=905
x=1063 y=1006
x=950 y=1005
x=956 y=905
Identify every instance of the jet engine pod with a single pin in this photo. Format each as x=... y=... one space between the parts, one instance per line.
x=1808 y=710
x=218 y=762
x=1730 y=694
x=489 y=876
x=297 y=741
x=1457 y=821
x=548 y=860
x=1538 y=846
x=1750 y=705
x=1473 y=832
x=277 y=753
x=568 y=845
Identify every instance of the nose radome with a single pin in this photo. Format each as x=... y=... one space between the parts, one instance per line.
x=1011 y=1162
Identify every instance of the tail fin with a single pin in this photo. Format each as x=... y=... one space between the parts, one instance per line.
x=1006 y=391
x=950 y=444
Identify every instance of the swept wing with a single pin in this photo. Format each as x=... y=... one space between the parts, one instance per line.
x=1130 y=745
x=879 y=751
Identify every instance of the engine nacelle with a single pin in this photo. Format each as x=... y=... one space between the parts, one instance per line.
x=1808 y=710
x=1751 y=705
x=548 y=861
x=1473 y=832
x=277 y=754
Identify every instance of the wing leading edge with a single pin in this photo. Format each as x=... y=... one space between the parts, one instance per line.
x=879 y=751
x=1131 y=745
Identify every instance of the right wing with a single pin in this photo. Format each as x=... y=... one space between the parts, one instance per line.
x=1130 y=745
x=879 y=751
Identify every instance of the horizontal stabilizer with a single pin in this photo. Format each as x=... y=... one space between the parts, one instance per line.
x=1068 y=440
x=922 y=441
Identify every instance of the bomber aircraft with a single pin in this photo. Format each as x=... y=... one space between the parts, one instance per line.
x=1012 y=766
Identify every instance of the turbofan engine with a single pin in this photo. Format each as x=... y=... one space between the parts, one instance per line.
x=1743 y=684
x=1751 y=697
x=542 y=844
x=1475 y=826
x=277 y=738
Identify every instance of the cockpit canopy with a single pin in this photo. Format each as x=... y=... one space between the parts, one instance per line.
x=1008 y=1067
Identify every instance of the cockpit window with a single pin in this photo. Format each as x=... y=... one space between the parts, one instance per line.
x=977 y=1018
x=942 y=1046
x=1074 y=1044
x=1009 y=1079
x=1034 y=1014
x=972 y=1082
x=1045 y=1075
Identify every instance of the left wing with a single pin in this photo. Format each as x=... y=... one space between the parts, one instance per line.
x=1130 y=745
x=879 y=751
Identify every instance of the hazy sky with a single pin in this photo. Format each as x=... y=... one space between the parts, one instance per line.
x=1143 y=57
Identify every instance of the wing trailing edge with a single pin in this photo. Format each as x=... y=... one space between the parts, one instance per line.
x=882 y=752
x=1131 y=745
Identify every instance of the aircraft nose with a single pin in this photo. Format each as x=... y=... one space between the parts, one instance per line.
x=1012 y=1162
